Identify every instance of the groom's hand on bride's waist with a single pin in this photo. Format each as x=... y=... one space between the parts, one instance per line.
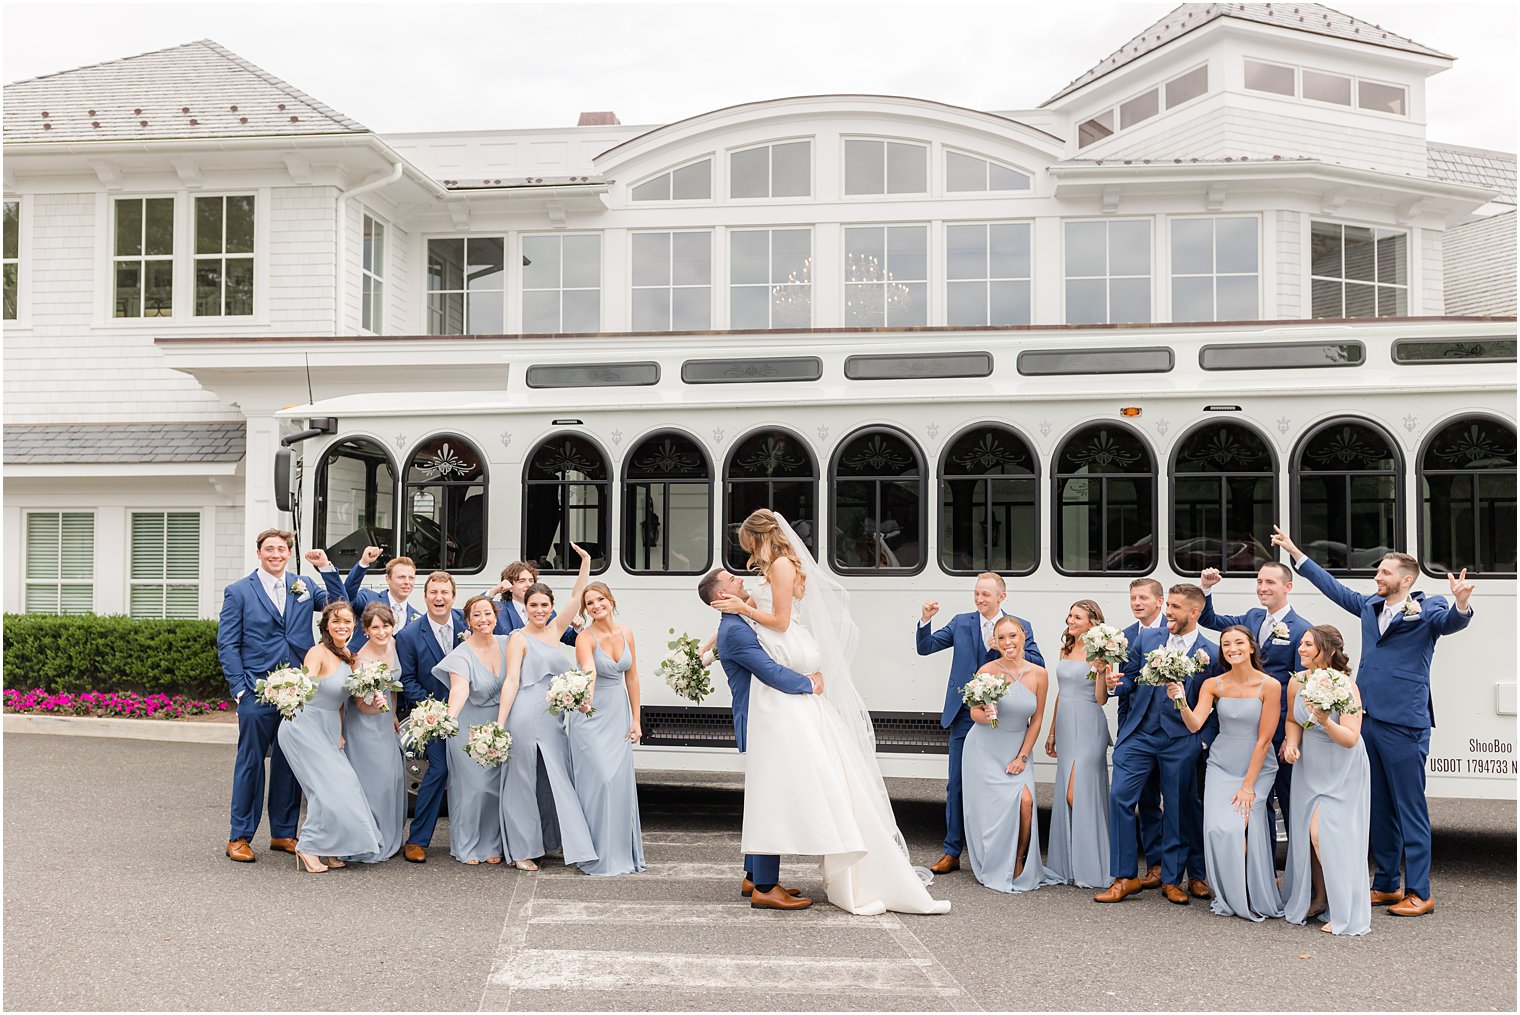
x=817 y=679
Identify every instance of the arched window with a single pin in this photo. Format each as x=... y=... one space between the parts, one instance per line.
x=356 y=501
x=1224 y=499
x=566 y=498
x=1347 y=514
x=988 y=517
x=1105 y=497
x=878 y=503
x=445 y=505
x=667 y=506
x=1467 y=498
x=769 y=469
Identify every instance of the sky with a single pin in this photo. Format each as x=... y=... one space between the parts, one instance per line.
x=401 y=68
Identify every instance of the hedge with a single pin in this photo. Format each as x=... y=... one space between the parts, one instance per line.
x=88 y=653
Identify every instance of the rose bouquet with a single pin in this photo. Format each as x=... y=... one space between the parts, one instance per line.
x=488 y=744
x=1167 y=665
x=684 y=669
x=429 y=721
x=287 y=689
x=985 y=689
x=372 y=684
x=570 y=690
x=1329 y=691
x=1104 y=644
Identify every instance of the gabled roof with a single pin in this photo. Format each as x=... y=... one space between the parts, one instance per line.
x=1476 y=167
x=1316 y=19
x=1478 y=267
x=198 y=90
x=103 y=443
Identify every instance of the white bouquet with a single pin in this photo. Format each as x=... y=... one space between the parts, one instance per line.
x=372 y=684
x=1104 y=644
x=985 y=689
x=1329 y=691
x=684 y=669
x=488 y=744
x=287 y=689
x=429 y=721
x=570 y=690
x=1167 y=665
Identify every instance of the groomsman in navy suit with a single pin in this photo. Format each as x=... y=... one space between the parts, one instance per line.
x=1399 y=632
x=970 y=635
x=516 y=578
x=1277 y=628
x=1153 y=736
x=265 y=625
x=400 y=579
x=1147 y=601
x=420 y=646
x=742 y=656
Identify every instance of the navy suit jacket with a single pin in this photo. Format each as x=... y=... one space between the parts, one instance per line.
x=1141 y=695
x=253 y=638
x=508 y=621
x=1130 y=634
x=417 y=652
x=1394 y=672
x=742 y=657
x=1279 y=656
x=359 y=598
x=964 y=633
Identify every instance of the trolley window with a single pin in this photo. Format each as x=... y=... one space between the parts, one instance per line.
x=445 y=505
x=355 y=502
x=1347 y=510
x=1224 y=496
x=878 y=504
x=989 y=519
x=769 y=469
x=1105 y=502
x=566 y=498
x=1467 y=498
x=667 y=506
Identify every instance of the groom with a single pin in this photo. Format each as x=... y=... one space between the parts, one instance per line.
x=743 y=658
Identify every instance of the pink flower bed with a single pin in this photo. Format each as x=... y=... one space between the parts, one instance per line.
x=118 y=704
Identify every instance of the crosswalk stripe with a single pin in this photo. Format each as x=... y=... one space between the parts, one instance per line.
x=686 y=870
x=738 y=912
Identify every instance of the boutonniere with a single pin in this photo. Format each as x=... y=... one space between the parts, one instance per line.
x=1279 y=630
x=298 y=587
x=1201 y=658
x=1410 y=608
x=461 y=636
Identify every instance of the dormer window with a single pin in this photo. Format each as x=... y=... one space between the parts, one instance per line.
x=1327 y=87
x=687 y=183
x=1137 y=109
x=1332 y=88
x=1096 y=129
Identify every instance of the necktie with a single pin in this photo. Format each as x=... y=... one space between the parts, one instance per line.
x=1266 y=631
x=400 y=615
x=1174 y=643
x=1385 y=618
x=443 y=638
x=279 y=596
x=987 y=633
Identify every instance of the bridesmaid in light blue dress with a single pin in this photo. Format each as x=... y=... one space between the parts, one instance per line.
x=1079 y=741
x=601 y=745
x=338 y=819
x=1331 y=812
x=371 y=741
x=997 y=776
x=474 y=698
x=1237 y=837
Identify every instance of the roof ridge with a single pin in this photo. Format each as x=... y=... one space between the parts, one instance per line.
x=106 y=63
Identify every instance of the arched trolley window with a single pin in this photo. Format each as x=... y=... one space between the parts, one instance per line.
x=989 y=519
x=1348 y=482
x=1105 y=502
x=355 y=502
x=877 y=515
x=1224 y=499
x=1467 y=498
x=774 y=469
x=567 y=497
x=444 y=505
x=667 y=506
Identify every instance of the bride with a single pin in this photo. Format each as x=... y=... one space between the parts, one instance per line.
x=812 y=784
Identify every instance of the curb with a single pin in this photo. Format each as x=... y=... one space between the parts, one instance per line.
x=127 y=729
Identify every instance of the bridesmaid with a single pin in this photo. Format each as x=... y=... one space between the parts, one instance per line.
x=601 y=745
x=475 y=670
x=1237 y=837
x=1079 y=741
x=1332 y=783
x=535 y=819
x=338 y=820
x=1002 y=840
x=371 y=741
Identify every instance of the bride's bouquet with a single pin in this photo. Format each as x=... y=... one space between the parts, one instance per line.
x=287 y=689
x=570 y=690
x=429 y=721
x=488 y=744
x=684 y=669
x=1167 y=665
x=372 y=684
x=1329 y=691
x=985 y=689
x=1104 y=644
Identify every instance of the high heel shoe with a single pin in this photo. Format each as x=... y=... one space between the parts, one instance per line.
x=309 y=864
x=525 y=865
x=335 y=863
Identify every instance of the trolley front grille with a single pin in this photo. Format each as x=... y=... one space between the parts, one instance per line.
x=694 y=726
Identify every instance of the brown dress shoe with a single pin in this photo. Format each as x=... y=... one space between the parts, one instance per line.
x=239 y=850
x=414 y=853
x=1152 y=877
x=1121 y=889
x=1175 y=895
x=777 y=898
x=1413 y=905
x=282 y=845
x=1199 y=889
x=1386 y=898
x=747 y=888
x=945 y=864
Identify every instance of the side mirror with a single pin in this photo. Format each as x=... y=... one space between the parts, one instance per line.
x=283 y=500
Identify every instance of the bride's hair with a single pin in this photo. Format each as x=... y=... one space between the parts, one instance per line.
x=762 y=537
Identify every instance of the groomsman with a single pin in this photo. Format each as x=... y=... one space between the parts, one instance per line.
x=1399 y=632
x=1153 y=736
x=1277 y=628
x=970 y=634
x=400 y=579
x=516 y=578
x=1147 y=601
x=265 y=625
x=420 y=646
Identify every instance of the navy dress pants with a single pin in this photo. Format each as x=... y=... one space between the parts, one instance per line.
x=435 y=783
x=257 y=725
x=1400 y=817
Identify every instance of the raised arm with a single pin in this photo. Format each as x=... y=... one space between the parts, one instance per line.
x=562 y=620
x=355 y=579
x=517 y=648
x=782 y=577
x=929 y=642
x=1321 y=579
x=1459 y=613
x=1208 y=618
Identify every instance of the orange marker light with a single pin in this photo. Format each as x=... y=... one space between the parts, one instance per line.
x=1130 y=411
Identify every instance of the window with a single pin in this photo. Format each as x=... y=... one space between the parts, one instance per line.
x=930 y=364
x=566 y=499
x=467 y=286
x=886 y=271
x=1271 y=77
x=878 y=505
x=1224 y=498
x=770 y=278
x=688 y=183
x=1108 y=272
x=1454 y=350
x=1139 y=109
x=10 y=263
x=445 y=504
x=1215 y=270
x=1051 y=362
x=1347 y=513
x=769 y=469
x=667 y=506
x=1331 y=88
x=777 y=170
x=1380 y=98
x=988 y=519
x=1467 y=498
x=672 y=281
x=165 y=565
x=143 y=257
x=372 y=268
x=885 y=167
x=967 y=173
x=1187 y=87
x=60 y=562
x=1358 y=272
x=1105 y=498
x=1322 y=86
x=356 y=502
x=988 y=272
x=562 y=284
x=224 y=256
x=592 y=375
x=751 y=370
x=1096 y=129
x=1282 y=355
